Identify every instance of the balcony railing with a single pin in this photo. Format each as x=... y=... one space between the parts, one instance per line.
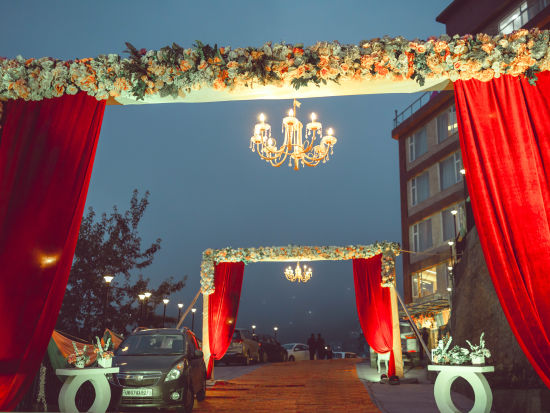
x=413 y=107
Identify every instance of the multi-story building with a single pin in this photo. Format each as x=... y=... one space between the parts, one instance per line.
x=435 y=209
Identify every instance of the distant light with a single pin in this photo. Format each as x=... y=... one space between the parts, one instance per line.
x=48 y=260
x=450 y=267
x=253 y=326
x=463 y=171
x=193 y=310
x=451 y=243
x=165 y=300
x=449 y=289
x=108 y=278
x=147 y=294
x=180 y=305
x=275 y=328
x=454 y=212
x=141 y=296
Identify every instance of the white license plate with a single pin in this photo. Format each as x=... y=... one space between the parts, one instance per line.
x=139 y=392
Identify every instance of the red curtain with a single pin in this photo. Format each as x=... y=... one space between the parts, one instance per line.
x=46 y=156
x=504 y=129
x=223 y=306
x=374 y=306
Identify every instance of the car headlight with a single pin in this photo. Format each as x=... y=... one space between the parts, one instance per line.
x=175 y=373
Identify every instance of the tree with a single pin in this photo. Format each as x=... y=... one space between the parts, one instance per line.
x=110 y=245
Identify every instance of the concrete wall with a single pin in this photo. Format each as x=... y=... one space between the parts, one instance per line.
x=476 y=308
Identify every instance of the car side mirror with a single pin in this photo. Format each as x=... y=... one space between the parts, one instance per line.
x=199 y=354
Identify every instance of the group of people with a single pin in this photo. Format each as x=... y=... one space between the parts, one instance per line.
x=317 y=347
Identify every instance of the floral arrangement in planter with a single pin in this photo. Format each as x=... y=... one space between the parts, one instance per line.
x=79 y=358
x=104 y=355
x=441 y=354
x=479 y=352
x=459 y=355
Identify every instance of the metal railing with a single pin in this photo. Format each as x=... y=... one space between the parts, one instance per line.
x=413 y=107
x=533 y=8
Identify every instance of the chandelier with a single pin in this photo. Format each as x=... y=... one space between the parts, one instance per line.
x=300 y=151
x=298 y=275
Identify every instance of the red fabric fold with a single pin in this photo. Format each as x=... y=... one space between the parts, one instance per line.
x=223 y=306
x=374 y=306
x=504 y=129
x=47 y=150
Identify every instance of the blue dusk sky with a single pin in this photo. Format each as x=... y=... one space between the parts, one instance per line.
x=208 y=190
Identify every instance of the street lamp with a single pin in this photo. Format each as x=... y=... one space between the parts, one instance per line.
x=147 y=294
x=276 y=329
x=253 y=328
x=108 y=278
x=165 y=301
x=180 y=306
x=193 y=310
x=141 y=298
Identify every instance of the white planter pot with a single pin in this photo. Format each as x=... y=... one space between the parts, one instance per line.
x=80 y=364
x=478 y=359
x=105 y=363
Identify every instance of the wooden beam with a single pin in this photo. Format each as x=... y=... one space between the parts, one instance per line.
x=397 y=351
x=205 y=337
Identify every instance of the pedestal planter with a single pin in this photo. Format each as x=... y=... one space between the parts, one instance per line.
x=477 y=360
x=473 y=375
x=75 y=378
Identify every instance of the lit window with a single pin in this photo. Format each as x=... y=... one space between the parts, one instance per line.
x=424 y=282
x=446 y=124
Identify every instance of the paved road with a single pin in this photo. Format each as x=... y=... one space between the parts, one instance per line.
x=317 y=386
x=232 y=372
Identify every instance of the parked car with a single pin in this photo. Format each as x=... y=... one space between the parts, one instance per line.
x=344 y=355
x=271 y=349
x=159 y=368
x=297 y=351
x=243 y=348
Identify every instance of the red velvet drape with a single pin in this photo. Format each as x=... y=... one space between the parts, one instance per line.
x=223 y=306
x=504 y=129
x=46 y=156
x=374 y=306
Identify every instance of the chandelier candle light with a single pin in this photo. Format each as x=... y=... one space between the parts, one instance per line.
x=298 y=275
x=301 y=151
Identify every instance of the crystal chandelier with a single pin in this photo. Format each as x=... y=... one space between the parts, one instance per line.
x=298 y=275
x=299 y=150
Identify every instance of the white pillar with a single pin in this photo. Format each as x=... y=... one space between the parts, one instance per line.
x=205 y=337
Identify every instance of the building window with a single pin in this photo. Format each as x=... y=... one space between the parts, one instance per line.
x=448 y=224
x=422 y=235
x=420 y=188
x=515 y=20
x=418 y=145
x=446 y=124
x=424 y=282
x=449 y=171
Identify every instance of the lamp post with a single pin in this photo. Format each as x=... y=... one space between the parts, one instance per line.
x=253 y=328
x=108 y=278
x=193 y=311
x=147 y=294
x=141 y=298
x=180 y=306
x=275 y=329
x=165 y=301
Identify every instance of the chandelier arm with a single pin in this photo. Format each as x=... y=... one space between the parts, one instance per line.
x=312 y=158
x=315 y=163
x=277 y=153
x=277 y=164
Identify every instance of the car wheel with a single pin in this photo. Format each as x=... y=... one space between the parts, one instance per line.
x=291 y=358
x=188 y=401
x=201 y=395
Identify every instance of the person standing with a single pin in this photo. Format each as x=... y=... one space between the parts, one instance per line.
x=320 y=347
x=312 y=343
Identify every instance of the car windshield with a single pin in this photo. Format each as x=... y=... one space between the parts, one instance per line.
x=146 y=344
x=288 y=346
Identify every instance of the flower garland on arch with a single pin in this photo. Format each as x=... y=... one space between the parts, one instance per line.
x=211 y=257
x=175 y=71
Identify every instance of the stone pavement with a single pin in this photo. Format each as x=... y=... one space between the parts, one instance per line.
x=307 y=386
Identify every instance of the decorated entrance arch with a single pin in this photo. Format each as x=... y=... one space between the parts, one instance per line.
x=373 y=266
x=52 y=110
